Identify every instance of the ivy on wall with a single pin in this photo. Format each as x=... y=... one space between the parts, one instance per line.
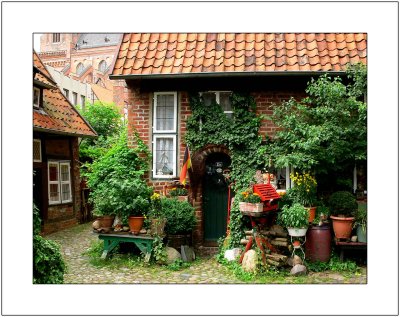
x=210 y=125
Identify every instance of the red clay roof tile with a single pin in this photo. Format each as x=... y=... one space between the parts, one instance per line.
x=174 y=53
x=57 y=114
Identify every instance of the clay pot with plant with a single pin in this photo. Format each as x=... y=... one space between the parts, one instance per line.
x=181 y=219
x=179 y=193
x=305 y=192
x=343 y=206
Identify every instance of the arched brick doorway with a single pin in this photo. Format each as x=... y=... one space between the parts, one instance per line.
x=210 y=193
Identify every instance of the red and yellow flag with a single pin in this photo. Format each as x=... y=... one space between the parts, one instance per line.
x=187 y=163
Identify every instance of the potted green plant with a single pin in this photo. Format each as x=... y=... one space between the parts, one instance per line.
x=295 y=219
x=127 y=198
x=250 y=202
x=360 y=222
x=180 y=193
x=343 y=206
x=156 y=215
x=305 y=192
x=181 y=219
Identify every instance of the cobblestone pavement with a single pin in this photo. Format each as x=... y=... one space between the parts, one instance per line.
x=76 y=240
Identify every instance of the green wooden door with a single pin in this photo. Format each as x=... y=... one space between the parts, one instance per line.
x=215 y=199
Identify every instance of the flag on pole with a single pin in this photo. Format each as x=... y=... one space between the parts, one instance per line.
x=187 y=163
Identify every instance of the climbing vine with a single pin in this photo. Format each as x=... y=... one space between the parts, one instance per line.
x=210 y=125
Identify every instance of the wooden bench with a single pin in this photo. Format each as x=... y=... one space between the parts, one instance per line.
x=347 y=245
x=143 y=242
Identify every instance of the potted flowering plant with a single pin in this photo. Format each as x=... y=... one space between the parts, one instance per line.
x=156 y=215
x=305 y=192
x=179 y=192
x=250 y=202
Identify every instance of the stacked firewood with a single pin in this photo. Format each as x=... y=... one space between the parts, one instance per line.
x=278 y=238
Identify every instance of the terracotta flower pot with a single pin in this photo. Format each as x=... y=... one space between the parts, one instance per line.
x=342 y=226
x=135 y=224
x=311 y=212
x=106 y=221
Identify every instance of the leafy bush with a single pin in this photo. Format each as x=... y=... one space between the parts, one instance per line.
x=295 y=216
x=249 y=197
x=116 y=182
x=342 y=203
x=105 y=119
x=361 y=217
x=327 y=130
x=48 y=264
x=180 y=216
x=305 y=189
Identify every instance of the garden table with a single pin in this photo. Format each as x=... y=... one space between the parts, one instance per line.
x=344 y=245
x=111 y=240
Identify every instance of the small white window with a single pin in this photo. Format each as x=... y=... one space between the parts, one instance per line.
x=164 y=135
x=221 y=98
x=74 y=98
x=164 y=118
x=66 y=93
x=36 y=97
x=283 y=178
x=59 y=177
x=37 y=150
x=164 y=156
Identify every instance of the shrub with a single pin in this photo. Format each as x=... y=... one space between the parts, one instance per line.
x=48 y=264
x=295 y=216
x=180 y=216
x=342 y=203
x=116 y=182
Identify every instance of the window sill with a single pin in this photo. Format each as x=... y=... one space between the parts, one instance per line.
x=61 y=204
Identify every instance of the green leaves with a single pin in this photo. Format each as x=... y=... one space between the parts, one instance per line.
x=295 y=216
x=327 y=129
x=48 y=264
x=180 y=216
x=116 y=182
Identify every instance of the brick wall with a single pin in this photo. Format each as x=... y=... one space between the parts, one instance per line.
x=139 y=118
x=63 y=215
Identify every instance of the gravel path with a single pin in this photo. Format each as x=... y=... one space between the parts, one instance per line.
x=76 y=240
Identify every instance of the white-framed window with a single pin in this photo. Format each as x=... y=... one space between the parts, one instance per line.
x=221 y=98
x=56 y=37
x=74 y=98
x=164 y=155
x=66 y=93
x=283 y=178
x=165 y=134
x=59 y=178
x=37 y=150
x=36 y=97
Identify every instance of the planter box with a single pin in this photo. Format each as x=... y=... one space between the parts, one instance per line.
x=249 y=207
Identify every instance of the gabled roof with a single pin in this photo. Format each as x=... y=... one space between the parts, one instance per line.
x=152 y=54
x=57 y=115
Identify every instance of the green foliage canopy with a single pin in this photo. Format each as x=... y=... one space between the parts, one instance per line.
x=116 y=179
x=326 y=130
x=106 y=121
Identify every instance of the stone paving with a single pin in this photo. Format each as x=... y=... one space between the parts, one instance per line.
x=75 y=241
